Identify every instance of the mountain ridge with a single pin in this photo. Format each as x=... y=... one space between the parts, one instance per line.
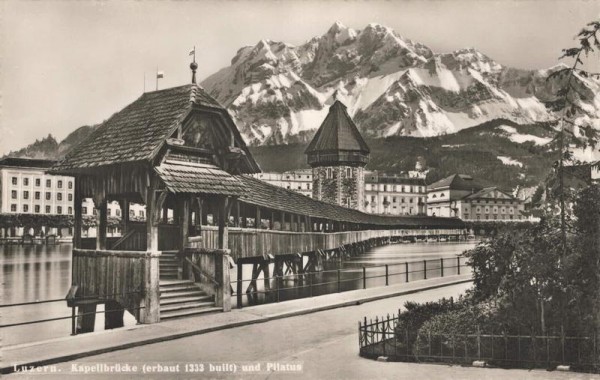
x=279 y=93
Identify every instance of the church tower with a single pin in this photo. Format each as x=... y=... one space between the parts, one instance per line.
x=338 y=155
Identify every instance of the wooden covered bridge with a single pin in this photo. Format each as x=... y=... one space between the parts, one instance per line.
x=178 y=152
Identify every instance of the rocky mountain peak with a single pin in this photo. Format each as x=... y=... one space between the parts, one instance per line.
x=279 y=93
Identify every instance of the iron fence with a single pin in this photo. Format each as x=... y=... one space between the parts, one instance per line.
x=382 y=337
x=280 y=287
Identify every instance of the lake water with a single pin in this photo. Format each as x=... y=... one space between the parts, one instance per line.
x=39 y=273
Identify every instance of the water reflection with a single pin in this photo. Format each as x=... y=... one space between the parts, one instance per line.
x=351 y=272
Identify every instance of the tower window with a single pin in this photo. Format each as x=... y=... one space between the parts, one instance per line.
x=329 y=173
x=348 y=173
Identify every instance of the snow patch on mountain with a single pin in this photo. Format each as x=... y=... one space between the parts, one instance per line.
x=510 y=161
x=391 y=86
x=520 y=138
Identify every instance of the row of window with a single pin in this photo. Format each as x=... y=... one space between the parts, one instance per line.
x=495 y=217
x=289 y=187
x=399 y=188
x=37 y=209
x=495 y=201
x=494 y=210
x=38 y=182
x=37 y=195
x=141 y=213
x=394 y=199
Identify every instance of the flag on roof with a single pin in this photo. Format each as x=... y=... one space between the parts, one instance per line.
x=193 y=51
x=160 y=74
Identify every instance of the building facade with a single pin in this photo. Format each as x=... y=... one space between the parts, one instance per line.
x=300 y=181
x=338 y=155
x=394 y=195
x=26 y=189
x=461 y=196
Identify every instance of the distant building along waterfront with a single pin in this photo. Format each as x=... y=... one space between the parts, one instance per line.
x=461 y=196
x=25 y=188
x=394 y=195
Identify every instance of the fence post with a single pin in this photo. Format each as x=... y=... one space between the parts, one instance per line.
x=239 y=284
x=424 y=269
x=429 y=341
x=73 y=327
x=277 y=286
x=338 y=281
x=364 y=278
x=406 y=270
x=562 y=341
x=458 y=264
x=310 y=283
x=505 y=346
x=478 y=343
x=442 y=267
x=386 y=275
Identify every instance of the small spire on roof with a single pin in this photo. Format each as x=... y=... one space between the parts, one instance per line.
x=335 y=95
x=193 y=65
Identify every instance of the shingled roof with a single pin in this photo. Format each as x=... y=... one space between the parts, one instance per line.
x=457 y=182
x=263 y=194
x=337 y=132
x=190 y=177
x=138 y=131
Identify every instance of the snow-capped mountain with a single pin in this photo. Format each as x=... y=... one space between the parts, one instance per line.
x=391 y=85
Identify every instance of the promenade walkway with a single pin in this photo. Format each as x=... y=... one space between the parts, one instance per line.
x=84 y=345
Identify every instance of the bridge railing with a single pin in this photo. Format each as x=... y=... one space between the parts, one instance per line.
x=248 y=242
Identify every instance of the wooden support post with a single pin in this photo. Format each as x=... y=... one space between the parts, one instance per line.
x=283 y=221
x=183 y=203
x=113 y=315
x=78 y=217
x=236 y=221
x=223 y=294
x=101 y=217
x=239 y=283
x=223 y=216
x=257 y=223
x=149 y=305
x=272 y=221
x=125 y=215
x=165 y=214
x=86 y=316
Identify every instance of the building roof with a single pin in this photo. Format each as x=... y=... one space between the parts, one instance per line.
x=190 y=177
x=456 y=182
x=27 y=162
x=137 y=132
x=337 y=132
x=263 y=194
x=489 y=192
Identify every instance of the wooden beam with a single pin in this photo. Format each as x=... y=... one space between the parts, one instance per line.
x=257 y=223
x=78 y=217
x=151 y=226
x=223 y=216
x=101 y=217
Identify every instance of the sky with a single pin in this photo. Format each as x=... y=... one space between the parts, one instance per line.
x=64 y=64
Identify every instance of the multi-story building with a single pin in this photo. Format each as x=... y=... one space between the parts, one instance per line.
x=299 y=180
x=338 y=155
x=461 y=196
x=394 y=195
x=25 y=188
